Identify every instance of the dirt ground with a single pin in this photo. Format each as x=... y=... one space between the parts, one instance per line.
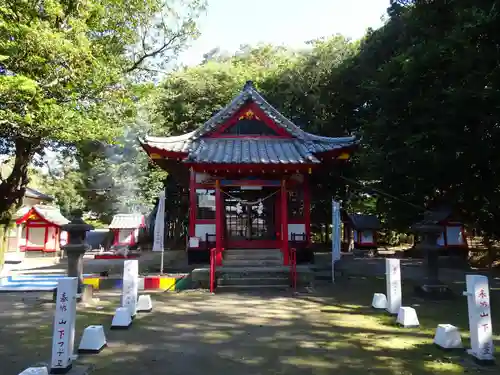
x=328 y=330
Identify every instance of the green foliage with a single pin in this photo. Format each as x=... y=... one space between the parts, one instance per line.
x=65 y=76
x=64 y=183
x=427 y=109
x=421 y=92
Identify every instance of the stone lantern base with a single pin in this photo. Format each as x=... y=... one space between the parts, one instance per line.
x=431 y=287
x=434 y=291
x=85 y=296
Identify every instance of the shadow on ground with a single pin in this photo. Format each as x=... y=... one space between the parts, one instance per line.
x=330 y=330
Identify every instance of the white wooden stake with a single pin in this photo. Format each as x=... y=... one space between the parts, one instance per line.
x=393 y=285
x=478 y=303
x=63 y=336
x=130 y=285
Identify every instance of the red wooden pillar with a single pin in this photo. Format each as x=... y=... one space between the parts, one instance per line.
x=218 y=222
x=284 y=222
x=192 y=203
x=307 y=209
x=45 y=238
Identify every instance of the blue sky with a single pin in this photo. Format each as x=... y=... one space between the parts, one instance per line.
x=230 y=23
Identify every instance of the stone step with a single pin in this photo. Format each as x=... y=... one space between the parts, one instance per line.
x=201 y=276
x=249 y=288
x=253 y=256
x=253 y=252
x=252 y=281
x=248 y=273
x=251 y=262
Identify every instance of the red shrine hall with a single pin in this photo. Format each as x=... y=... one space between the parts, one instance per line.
x=248 y=169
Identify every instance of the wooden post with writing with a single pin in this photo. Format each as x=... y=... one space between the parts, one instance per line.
x=481 y=332
x=63 y=337
x=393 y=285
x=130 y=285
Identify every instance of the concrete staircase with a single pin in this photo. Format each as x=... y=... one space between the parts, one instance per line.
x=253 y=269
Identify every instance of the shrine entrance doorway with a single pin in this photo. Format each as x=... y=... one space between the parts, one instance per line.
x=250 y=217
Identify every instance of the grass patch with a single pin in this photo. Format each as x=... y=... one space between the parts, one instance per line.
x=411 y=350
x=333 y=330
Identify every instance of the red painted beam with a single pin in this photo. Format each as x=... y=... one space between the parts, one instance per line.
x=219 y=222
x=307 y=209
x=284 y=222
x=192 y=203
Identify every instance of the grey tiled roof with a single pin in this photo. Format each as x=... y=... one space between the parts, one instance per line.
x=437 y=216
x=127 y=221
x=361 y=222
x=32 y=193
x=299 y=149
x=49 y=213
x=246 y=151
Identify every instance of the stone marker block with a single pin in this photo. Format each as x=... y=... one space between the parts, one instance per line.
x=35 y=371
x=93 y=340
x=480 y=323
x=393 y=285
x=64 y=326
x=122 y=318
x=447 y=337
x=407 y=317
x=130 y=286
x=144 y=304
x=379 y=301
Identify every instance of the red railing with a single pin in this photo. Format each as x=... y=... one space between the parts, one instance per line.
x=293 y=268
x=215 y=258
x=213 y=261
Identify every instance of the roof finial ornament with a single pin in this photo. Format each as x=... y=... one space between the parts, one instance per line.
x=248 y=84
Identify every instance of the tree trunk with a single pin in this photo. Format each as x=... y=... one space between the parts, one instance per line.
x=491 y=256
x=3 y=249
x=12 y=188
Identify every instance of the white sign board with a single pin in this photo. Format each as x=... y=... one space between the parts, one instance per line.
x=159 y=230
x=393 y=285
x=63 y=336
x=481 y=333
x=336 y=240
x=194 y=242
x=130 y=285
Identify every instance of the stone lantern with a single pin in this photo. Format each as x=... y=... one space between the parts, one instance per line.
x=75 y=248
x=429 y=231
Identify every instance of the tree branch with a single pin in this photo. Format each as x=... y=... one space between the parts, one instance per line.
x=141 y=59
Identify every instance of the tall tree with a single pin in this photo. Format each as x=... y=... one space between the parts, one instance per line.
x=63 y=73
x=427 y=108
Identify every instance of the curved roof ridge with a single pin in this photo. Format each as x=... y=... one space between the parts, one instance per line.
x=289 y=125
x=173 y=138
x=320 y=138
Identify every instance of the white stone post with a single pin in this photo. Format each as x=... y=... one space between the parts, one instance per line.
x=393 y=285
x=130 y=285
x=478 y=302
x=64 y=326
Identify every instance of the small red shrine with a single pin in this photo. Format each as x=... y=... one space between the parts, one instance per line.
x=248 y=168
x=361 y=229
x=453 y=235
x=125 y=228
x=43 y=229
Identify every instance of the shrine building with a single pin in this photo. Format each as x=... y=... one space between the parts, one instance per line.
x=248 y=168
